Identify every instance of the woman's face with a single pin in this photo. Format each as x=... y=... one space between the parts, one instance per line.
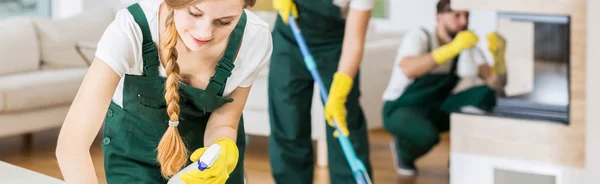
x=205 y=24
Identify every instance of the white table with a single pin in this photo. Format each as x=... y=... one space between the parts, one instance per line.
x=11 y=174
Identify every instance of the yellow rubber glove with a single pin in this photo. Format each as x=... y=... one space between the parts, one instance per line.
x=220 y=170
x=285 y=8
x=335 y=107
x=497 y=45
x=463 y=40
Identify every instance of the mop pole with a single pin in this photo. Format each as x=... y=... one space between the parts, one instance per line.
x=358 y=168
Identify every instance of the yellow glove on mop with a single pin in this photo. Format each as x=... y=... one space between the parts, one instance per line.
x=335 y=107
x=220 y=170
x=463 y=40
x=497 y=45
x=285 y=7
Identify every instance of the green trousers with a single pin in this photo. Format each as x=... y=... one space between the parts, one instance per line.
x=417 y=127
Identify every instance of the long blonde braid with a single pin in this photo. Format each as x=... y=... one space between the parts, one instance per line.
x=172 y=153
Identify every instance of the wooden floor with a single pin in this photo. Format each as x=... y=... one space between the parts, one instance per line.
x=39 y=157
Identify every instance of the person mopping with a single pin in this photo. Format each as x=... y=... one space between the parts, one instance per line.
x=334 y=32
x=169 y=78
x=419 y=97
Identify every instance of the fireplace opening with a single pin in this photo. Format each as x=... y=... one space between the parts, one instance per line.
x=538 y=57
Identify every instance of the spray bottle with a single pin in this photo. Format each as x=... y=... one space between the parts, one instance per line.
x=206 y=161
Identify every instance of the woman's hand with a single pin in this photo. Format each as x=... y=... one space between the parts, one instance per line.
x=219 y=172
x=335 y=108
x=285 y=8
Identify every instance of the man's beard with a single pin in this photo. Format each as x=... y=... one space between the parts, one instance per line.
x=450 y=33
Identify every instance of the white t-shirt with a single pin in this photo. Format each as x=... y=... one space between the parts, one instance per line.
x=360 y=4
x=414 y=43
x=121 y=48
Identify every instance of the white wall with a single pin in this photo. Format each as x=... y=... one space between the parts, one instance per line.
x=592 y=158
x=406 y=14
x=66 y=8
x=90 y=4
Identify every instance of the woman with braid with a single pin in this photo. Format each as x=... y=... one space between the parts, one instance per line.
x=170 y=79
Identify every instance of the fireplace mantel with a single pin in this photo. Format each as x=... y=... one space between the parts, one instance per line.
x=560 y=7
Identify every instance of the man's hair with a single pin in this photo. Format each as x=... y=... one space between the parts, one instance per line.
x=443 y=6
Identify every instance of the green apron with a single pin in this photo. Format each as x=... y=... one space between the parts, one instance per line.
x=423 y=111
x=132 y=133
x=290 y=96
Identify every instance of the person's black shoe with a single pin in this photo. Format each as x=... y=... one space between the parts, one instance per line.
x=402 y=168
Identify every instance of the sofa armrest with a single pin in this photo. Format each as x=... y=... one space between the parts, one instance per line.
x=87 y=50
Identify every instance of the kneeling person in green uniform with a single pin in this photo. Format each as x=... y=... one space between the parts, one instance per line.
x=419 y=96
x=163 y=81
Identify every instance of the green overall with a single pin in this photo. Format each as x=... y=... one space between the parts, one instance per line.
x=423 y=111
x=132 y=133
x=290 y=96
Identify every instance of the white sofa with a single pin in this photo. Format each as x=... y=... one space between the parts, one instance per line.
x=42 y=68
x=379 y=53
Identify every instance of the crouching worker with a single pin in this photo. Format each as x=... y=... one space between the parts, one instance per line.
x=419 y=99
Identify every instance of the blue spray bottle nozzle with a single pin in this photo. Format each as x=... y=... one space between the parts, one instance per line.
x=209 y=157
x=202 y=166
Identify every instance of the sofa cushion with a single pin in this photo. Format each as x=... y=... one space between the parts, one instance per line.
x=39 y=89
x=58 y=37
x=19 y=47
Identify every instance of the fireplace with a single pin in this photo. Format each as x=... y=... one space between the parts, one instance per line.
x=538 y=61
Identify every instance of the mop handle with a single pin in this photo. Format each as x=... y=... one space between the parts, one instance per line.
x=309 y=61
x=355 y=164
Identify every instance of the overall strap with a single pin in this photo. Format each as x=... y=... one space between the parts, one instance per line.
x=454 y=65
x=149 y=50
x=429 y=49
x=225 y=65
x=429 y=40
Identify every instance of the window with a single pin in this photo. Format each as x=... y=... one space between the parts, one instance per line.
x=35 y=8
